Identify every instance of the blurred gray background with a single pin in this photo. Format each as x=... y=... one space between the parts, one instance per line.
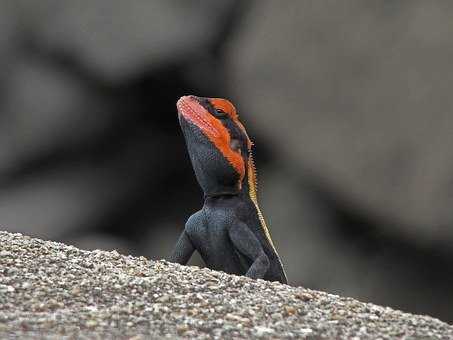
x=349 y=105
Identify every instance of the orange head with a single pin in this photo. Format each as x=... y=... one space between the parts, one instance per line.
x=217 y=142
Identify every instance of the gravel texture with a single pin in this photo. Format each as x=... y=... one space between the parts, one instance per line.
x=50 y=290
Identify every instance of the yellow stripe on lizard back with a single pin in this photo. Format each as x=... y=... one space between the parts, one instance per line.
x=253 y=184
x=253 y=196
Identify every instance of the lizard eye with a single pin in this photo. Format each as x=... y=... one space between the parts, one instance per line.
x=219 y=113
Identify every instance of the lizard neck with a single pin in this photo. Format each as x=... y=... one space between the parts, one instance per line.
x=245 y=191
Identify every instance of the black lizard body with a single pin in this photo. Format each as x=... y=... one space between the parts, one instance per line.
x=229 y=231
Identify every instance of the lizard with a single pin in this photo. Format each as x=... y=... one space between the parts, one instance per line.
x=229 y=232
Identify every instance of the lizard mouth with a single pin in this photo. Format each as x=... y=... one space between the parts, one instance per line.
x=191 y=110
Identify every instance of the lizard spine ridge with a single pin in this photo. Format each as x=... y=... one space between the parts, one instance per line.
x=253 y=193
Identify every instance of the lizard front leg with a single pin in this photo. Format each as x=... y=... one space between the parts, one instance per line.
x=184 y=247
x=248 y=245
x=183 y=250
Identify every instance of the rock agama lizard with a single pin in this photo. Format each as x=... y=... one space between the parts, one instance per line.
x=229 y=231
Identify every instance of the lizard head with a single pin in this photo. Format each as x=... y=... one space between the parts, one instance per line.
x=217 y=143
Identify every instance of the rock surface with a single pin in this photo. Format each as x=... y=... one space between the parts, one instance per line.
x=48 y=289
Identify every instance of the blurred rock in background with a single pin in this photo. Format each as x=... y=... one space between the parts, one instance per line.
x=349 y=105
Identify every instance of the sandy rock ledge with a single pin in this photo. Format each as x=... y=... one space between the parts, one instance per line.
x=51 y=290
